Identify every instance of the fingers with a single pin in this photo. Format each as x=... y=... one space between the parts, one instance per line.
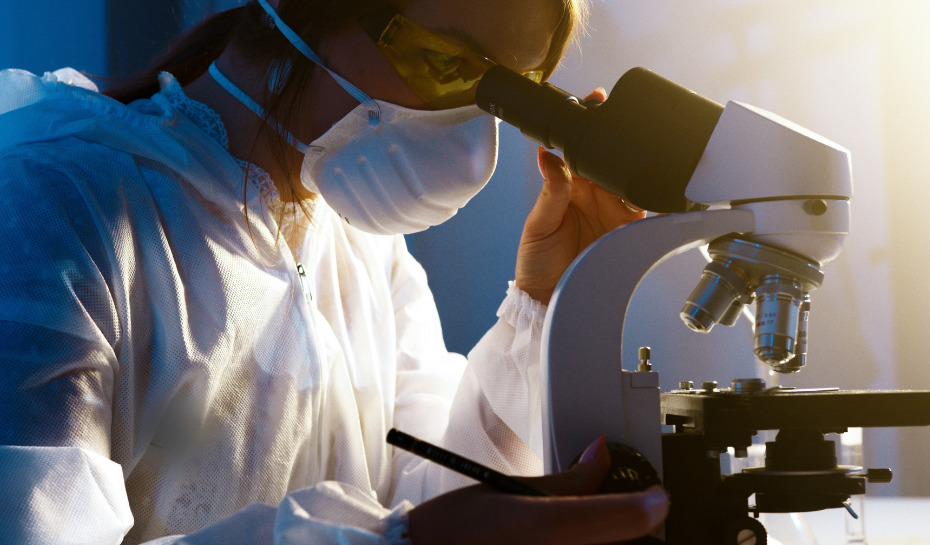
x=479 y=514
x=562 y=187
x=605 y=518
x=583 y=478
x=598 y=94
x=585 y=517
x=578 y=511
x=612 y=210
x=553 y=200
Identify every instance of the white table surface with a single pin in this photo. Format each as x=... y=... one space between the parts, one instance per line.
x=888 y=521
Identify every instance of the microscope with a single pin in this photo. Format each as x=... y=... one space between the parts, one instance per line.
x=770 y=201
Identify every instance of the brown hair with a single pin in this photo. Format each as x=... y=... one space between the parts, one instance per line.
x=248 y=29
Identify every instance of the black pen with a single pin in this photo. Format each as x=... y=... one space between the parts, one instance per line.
x=461 y=464
x=477 y=471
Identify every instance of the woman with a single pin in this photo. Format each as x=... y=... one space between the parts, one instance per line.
x=209 y=320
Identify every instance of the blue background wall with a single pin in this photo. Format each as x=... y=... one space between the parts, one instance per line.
x=60 y=33
x=99 y=37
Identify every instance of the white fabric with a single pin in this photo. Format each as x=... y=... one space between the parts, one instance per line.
x=147 y=321
x=37 y=480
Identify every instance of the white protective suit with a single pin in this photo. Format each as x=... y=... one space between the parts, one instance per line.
x=167 y=370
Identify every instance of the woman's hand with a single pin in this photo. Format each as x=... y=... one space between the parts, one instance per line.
x=570 y=213
x=480 y=514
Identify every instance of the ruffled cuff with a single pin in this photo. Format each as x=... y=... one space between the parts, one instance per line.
x=519 y=309
x=505 y=363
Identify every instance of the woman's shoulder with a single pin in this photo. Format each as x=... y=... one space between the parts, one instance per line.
x=21 y=88
x=40 y=160
x=62 y=102
x=66 y=150
x=59 y=126
x=64 y=109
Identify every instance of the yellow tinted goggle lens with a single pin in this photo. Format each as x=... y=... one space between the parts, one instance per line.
x=442 y=73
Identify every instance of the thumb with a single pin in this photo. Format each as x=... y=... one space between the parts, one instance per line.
x=583 y=478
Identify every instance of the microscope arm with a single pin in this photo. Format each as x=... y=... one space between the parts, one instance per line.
x=588 y=395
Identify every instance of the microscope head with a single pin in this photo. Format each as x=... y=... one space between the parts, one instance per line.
x=667 y=149
x=798 y=185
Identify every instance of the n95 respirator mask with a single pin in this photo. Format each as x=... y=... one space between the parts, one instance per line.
x=412 y=170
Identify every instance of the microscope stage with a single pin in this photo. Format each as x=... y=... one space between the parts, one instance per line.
x=728 y=418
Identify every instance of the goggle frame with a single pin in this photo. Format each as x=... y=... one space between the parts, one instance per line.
x=442 y=73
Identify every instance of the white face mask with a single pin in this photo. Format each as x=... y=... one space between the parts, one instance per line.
x=413 y=170
x=387 y=169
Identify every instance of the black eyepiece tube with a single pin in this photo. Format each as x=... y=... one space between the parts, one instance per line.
x=529 y=106
x=642 y=144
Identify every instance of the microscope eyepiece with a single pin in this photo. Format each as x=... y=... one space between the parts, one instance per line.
x=642 y=144
x=543 y=113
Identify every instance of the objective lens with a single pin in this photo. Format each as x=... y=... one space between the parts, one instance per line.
x=799 y=360
x=778 y=300
x=720 y=289
x=732 y=314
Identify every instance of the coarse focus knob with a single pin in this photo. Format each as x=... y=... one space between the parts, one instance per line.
x=630 y=471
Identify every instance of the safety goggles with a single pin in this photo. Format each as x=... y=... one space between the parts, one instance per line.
x=442 y=73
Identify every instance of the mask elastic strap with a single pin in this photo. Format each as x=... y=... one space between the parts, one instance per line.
x=374 y=111
x=256 y=108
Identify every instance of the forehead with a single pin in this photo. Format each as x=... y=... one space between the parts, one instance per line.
x=515 y=33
